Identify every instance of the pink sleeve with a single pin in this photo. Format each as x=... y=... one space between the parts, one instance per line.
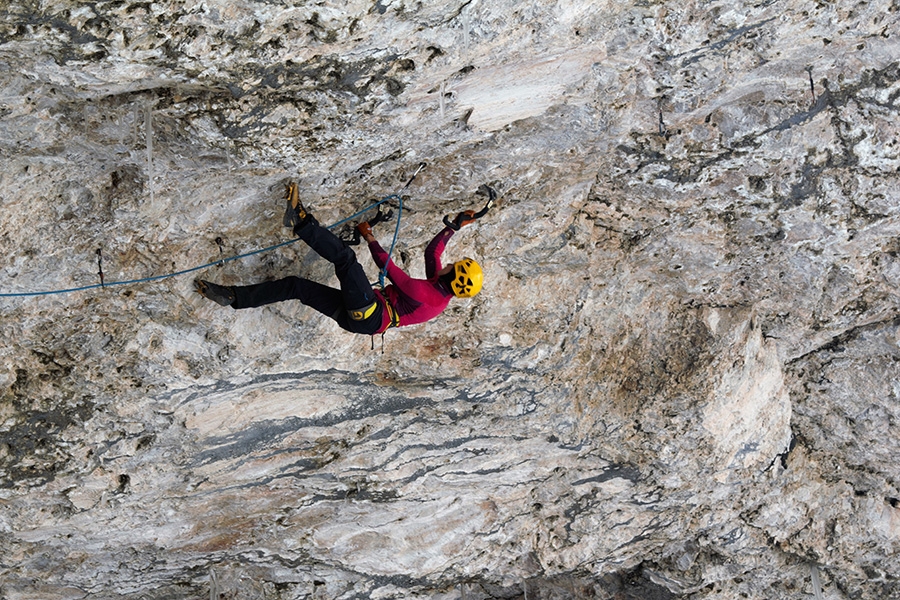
x=381 y=258
x=378 y=254
x=434 y=251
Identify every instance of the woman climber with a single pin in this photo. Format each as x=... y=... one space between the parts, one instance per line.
x=357 y=306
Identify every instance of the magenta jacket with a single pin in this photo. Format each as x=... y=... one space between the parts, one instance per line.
x=414 y=300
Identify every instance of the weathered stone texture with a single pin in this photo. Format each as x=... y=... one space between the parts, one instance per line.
x=680 y=380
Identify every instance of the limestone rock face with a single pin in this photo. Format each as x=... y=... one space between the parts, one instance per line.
x=680 y=378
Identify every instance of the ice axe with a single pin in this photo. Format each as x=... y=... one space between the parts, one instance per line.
x=468 y=216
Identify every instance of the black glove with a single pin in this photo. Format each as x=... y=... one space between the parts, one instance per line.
x=462 y=219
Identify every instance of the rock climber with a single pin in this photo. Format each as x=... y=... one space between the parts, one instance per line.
x=357 y=306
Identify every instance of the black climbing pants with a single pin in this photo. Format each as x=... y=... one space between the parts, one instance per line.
x=356 y=292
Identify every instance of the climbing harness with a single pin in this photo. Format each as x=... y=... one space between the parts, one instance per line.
x=392 y=313
x=106 y=284
x=394 y=317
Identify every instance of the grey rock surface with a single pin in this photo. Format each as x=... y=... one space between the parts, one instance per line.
x=682 y=377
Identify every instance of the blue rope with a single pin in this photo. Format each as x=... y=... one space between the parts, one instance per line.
x=224 y=260
x=383 y=272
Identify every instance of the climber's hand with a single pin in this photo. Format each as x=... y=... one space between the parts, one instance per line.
x=462 y=219
x=365 y=230
x=465 y=217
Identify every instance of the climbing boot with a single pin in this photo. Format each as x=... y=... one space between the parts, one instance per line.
x=219 y=294
x=295 y=214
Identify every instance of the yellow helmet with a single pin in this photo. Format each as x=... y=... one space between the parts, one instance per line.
x=467 y=278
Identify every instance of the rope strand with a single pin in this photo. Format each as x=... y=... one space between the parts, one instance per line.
x=383 y=273
x=107 y=284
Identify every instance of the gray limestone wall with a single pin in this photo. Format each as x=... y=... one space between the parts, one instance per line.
x=682 y=376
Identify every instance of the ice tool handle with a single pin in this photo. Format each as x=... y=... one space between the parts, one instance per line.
x=491 y=194
x=484 y=190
